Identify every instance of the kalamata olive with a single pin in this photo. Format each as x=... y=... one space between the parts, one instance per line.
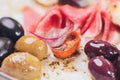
x=6 y=47
x=117 y=66
x=99 y=47
x=75 y=3
x=10 y=28
x=101 y=68
x=33 y=45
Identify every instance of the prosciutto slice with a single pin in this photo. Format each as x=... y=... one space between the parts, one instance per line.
x=114 y=35
x=94 y=22
x=53 y=27
x=30 y=18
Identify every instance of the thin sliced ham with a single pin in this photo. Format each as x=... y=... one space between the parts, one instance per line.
x=93 y=22
x=114 y=35
x=106 y=25
x=110 y=32
x=53 y=27
x=77 y=15
x=30 y=18
x=95 y=27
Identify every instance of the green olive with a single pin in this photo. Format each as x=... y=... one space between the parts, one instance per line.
x=22 y=66
x=33 y=45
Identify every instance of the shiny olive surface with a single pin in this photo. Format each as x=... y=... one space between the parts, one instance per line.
x=99 y=47
x=101 y=68
x=117 y=66
x=10 y=28
x=22 y=66
x=33 y=45
x=6 y=47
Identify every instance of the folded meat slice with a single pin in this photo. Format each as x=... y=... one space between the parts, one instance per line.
x=93 y=22
x=110 y=32
x=106 y=25
x=53 y=27
x=114 y=35
x=30 y=18
x=95 y=27
x=92 y=19
x=88 y=20
x=77 y=15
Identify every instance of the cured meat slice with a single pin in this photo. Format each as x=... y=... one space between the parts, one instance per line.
x=77 y=15
x=93 y=22
x=114 y=35
x=110 y=32
x=30 y=17
x=53 y=27
x=106 y=25
x=95 y=27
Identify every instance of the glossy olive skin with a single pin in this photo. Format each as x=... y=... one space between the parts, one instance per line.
x=117 y=66
x=101 y=48
x=101 y=68
x=22 y=66
x=10 y=28
x=33 y=45
x=6 y=47
x=70 y=2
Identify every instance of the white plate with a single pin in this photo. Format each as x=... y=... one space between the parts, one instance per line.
x=52 y=67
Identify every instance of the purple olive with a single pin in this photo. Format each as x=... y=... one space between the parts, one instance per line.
x=75 y=3
x=101 y=68
x=117 y=66
x=101 y=48
x=70 y=2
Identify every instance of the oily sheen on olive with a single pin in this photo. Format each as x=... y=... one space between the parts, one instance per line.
x=6 y=47
x=117 y=66
x=33 y=45
x=101 y=48
x=22 y=66
x=101 y=68
x=10 y=28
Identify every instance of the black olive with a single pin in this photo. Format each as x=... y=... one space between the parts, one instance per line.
x=10 y=28
x=6 y=47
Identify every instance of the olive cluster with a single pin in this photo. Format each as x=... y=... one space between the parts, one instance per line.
x=20 y=54
x=104 y=60
x=10 y=32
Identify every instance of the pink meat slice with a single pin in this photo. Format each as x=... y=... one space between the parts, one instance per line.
x=30 y=18
x=88 y=19
x=111 y=32
x=114 y=35
x=106 y=25
x=77 y=15
x=95 y=27
x=53 y=27
x=52 y=19
x=59 y=21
